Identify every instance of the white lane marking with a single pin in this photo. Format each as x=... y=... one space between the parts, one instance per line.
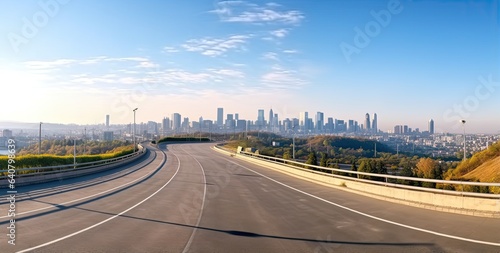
x=371 y=216
x=108 y=219
x=86 y=197
x=190 y=241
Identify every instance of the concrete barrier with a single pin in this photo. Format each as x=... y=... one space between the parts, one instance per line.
x=37 y=179
x=476 y=206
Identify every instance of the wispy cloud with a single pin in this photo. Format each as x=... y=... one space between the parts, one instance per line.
x=245 y=12
x=216 y=46
x=290 y=51
x=281 y=78
x=228 y=73
x=280 y=33
x=169 y=49
x=49 y=64
x=271 y=56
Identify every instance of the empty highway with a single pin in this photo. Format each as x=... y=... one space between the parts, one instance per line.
x=190 y=198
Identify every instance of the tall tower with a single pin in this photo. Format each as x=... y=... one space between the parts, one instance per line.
x=431 y=126
x=320 y=121
x=374 y=123
x=107 y=121
x=271 y=121
x=220 y=116
x=176 y=122
x=303 y=120
x=367 y=122
x=261 y=121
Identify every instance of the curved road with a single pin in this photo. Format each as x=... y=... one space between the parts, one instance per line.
x=190 y=198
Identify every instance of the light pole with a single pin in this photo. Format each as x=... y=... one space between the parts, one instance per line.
x=134 y=127
x=74 y=151
x=463 y=126
x=40 y=138
x=293 y=142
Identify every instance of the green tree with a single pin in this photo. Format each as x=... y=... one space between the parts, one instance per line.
x=324 y=159
x=312 y=159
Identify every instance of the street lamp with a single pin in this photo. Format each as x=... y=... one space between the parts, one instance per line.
x=40 y=138
x=134 y=127
x=463 y=125
x=293 y=142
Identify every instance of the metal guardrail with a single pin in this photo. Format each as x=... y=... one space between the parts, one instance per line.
x=386 y=177
x=39 y=171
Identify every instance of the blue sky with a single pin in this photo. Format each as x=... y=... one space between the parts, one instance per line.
x=408 y=61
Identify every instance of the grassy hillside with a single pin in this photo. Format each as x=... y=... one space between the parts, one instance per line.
x=489 y=171
x=483 y=166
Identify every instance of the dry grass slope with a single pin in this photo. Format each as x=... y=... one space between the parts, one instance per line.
x=486 y=172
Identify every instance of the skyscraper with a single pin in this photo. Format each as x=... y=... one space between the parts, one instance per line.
x=220 y=117
x=271 y=121
x=260 y=118
x=303 y=121
x=176 y=122
x=320 y=121
x=367 y=122
x=431 y=126
x=165 y=125
x=374 y=123
x=107 y=120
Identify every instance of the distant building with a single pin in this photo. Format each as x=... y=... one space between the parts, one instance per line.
x=320 y=121
x=7 y=133
x=303 y=120
x=107 y=121
x=367 y=122
x=431 y=126
x=271 y=119
x=220 y=117
x=261 y=121
x=108 y=135
x=176 y=122
x=165 y=125
x=375 y=124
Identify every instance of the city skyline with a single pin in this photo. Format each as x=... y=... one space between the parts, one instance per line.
x=409 y=61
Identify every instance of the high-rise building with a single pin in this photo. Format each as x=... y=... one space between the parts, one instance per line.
x=176 y=122
x=303 y=120
x=431 y=126
x=165 y=125
x=350 y=126
x=367 y=122
x=220 y=117
x=152 y=127
x=330 y=126
x=271 y=118
x=107 y=120
x=320 y=121
x=261 y=121
x=374 y=124
x=230 y=122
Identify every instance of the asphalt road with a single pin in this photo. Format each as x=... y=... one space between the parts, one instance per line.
x=190 y=198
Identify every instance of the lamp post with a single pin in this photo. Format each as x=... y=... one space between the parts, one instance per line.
x=293 y=142
x=74 y=151
x=40 y=138
x=134 y=127
x=463 y=126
